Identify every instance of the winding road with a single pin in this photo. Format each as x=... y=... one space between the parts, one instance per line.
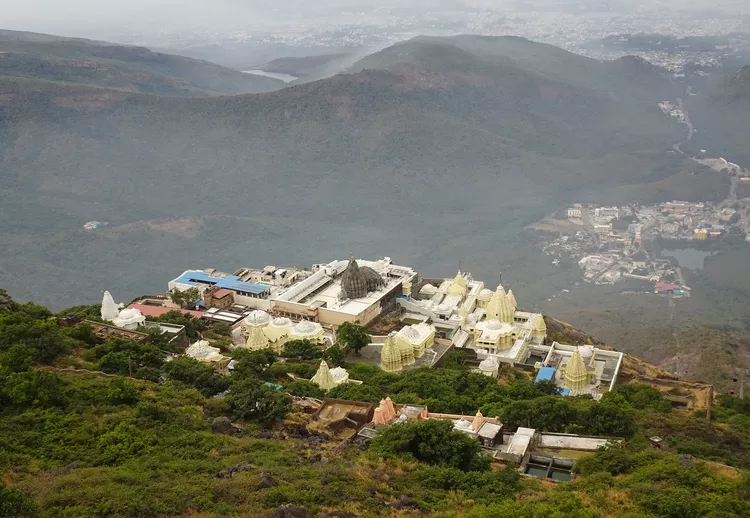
x=686 y=121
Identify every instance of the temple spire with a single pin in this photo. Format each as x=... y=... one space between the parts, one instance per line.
x=576 y=377
x=323 y=378
x=109 y=308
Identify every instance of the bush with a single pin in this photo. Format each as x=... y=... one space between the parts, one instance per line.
x=35 y=389
x=433 y=442
x=305 y=389
x=643 y=397
x=481 y=486
x=302 y=349
x=351 y=392
x=252 y=364
x=18 y=358
x=196 y=374
x=251 y=400
x=121 y=391
x=13 y=503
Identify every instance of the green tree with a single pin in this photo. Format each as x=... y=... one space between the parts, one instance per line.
x=305 y=389
x=185 y=298
x=18 y=358
x=251 y=364
x=123 y=392
x=251 y=400
x=353 y=336
x=194 y=373
x=612 y=415
x=34 y=389
x=13 y=503
x=351 y=392
x=83 y=333
x=433 y=441
x=302 y=349
x=334 y=355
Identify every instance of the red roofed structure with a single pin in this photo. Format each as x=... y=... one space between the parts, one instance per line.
x=663 y=287
x=157 y=311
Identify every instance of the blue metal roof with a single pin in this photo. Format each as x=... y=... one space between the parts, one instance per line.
x=545 y=374
x=231 y=282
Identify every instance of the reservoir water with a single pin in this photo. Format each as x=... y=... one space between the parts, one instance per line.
x=287 y=78
x=689 y=257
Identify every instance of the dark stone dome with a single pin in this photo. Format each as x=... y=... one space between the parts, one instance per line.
x=356 y=282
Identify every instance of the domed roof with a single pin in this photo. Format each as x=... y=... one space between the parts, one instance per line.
x=257 y=318
x=129 y=317
x=281 y=322
x=485 y=294
x=586 y=351
x=356 y=282
x=305 y=327
x=495 y=325
x=489 y=364
x=410 y=334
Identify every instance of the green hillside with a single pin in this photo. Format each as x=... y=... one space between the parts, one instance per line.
x=135 y=69
x=88 y=444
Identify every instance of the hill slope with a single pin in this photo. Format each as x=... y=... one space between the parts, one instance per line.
x=136 y=69
x=455 y=142
x=721 y=111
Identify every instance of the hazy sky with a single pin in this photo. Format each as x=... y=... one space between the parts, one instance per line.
x=82 y=17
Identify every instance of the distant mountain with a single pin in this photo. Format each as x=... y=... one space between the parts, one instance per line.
x=136 y=69
x=721 y=112
x=426 y=142
x=628 y=77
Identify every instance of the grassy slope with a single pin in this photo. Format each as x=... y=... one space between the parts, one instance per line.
x=158 y=457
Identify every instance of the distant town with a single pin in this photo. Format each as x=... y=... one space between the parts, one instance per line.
x=611 y=244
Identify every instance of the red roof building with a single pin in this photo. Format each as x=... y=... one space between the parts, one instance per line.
x=157 y=311
x=663 y=286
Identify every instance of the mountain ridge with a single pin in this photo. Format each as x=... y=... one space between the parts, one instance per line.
x=124 y=67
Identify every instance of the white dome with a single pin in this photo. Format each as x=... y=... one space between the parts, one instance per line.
x=495 y=325
x=257 y=318
x=129 y=318
x=489 y=364
x=305 y=327
x=485 y=294
x=462 y=423
x=586 y=351
x=410 y=334
x=281 y=322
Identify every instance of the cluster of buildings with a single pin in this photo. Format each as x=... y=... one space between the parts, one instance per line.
x=612 y=243
x=267 y=308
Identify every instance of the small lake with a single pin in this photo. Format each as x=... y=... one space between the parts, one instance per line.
x=287 y=78
x=689 y=257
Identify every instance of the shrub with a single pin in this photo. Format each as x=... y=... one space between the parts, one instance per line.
x=13 y=503
x=302 y=349
x=121 y=391
x=305 y=389
x=432 y=442
x=251 y=400
x=194 y=373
